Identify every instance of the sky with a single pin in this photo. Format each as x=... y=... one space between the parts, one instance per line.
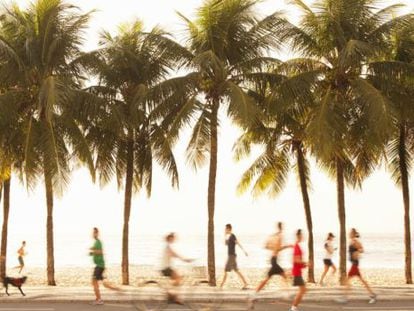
x=376 y=209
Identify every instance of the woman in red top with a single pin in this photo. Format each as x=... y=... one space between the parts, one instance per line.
x=298 y=265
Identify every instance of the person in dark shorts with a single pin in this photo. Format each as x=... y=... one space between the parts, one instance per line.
x=96 y=252
x=168 y=269
x=327 y=261
x=20 y=256
x=275 y=245
x=298 y=266
x=231 y=264
x=355 y=249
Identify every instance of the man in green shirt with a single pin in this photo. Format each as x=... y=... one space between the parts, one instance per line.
x=98 y=259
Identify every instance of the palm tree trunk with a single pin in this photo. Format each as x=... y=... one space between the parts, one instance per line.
x=342 y=219
x=127 y=212
x=308 y=212
x=406 y=199
x=212 y=194
x=6 y=209
x=49 y=229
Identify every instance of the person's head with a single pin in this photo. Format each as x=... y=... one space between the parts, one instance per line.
x=229 y=228
x=95 y=233
x=354 y=234
x=24 y=243
x=299 y=235
x=279 y=226
x=170 y=238
x=330 y=236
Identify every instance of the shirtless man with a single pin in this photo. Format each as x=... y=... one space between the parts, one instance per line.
x=275 y=245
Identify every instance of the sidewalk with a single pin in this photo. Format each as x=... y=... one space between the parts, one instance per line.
x=197 y=293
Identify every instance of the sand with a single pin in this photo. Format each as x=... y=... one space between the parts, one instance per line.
x=71 y=276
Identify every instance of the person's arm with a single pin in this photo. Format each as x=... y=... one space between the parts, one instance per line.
x=299 y=260
x=96 y=249
x=359 y=247
x=176 y=255
x=241 y=247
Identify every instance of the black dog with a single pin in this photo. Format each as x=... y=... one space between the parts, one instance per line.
x=16 y=282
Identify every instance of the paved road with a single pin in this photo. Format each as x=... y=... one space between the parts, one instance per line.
x=279 y=306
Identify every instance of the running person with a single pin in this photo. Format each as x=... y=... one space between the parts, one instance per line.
x=327 y=261
x=231 y=265
x=167 y=266
x=355 y=249
x=20 y=256
x=96 y=252
x=275 y=245
x=298 y=265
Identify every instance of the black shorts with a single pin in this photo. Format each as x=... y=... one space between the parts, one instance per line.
x=231 y=264
x=167 y=272
x=98 y=273
x=298 y=281
x=21 y=261
x=328 y=262
x=275 y=269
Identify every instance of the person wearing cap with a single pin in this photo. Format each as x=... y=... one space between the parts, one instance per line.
x=327 y=260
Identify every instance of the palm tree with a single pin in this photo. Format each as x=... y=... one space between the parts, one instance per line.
x=351 y=120
x=41 y=55
x=284 y=91
x=140 y=110
x=393 y=74
x=226 y=40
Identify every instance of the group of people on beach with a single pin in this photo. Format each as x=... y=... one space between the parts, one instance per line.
x=275 y=244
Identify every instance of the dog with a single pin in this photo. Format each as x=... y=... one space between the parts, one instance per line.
x=16 y=282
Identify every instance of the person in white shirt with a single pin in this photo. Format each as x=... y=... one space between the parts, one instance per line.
x=327 y=260
x=167 y=268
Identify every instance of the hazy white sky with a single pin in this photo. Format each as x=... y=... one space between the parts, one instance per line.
x=84 y=205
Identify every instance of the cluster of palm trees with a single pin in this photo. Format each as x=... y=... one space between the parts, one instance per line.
x=345 y=99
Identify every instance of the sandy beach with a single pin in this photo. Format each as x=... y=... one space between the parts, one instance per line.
x=81 y=276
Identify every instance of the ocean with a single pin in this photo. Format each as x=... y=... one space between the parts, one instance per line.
x=71 y=250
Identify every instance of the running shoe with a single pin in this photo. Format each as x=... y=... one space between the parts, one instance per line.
x=98 y=302
x=373 y=299
x=293 y=309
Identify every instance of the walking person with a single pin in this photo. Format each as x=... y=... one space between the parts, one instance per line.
x=327 y=261
x=21 y=253
x=168 y=269
x=298 y=266
x=96 y=251
x=231 y=265
x=275 y=245
x=355 y=251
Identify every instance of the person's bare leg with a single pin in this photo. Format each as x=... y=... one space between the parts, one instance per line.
x=333 y=269
x=325 y=271
x=262 y=284
x=285 y=280
x=95 y=285
x=242 y=278
x=299 y=295
x=110 y=286
x=176 y=281
x=224 y=279
x=21 y=268
x=366 y=285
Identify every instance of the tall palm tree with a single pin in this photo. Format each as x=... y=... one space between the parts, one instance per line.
x=227 y=40
x=393 y=74
x=139 y=112
x=284 y=91
x=41 y=53
x=351 y=120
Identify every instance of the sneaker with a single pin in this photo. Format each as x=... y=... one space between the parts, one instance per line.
x=373 y=299
x=98 y=302
x=293 y=309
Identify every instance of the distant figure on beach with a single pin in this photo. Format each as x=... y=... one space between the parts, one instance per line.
x=168 y=269
x=20 y=256
x=96 y=251
x=298 y=265
x=275 y=245
x=327 y=260
x=355 y=250
x=231 y=265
